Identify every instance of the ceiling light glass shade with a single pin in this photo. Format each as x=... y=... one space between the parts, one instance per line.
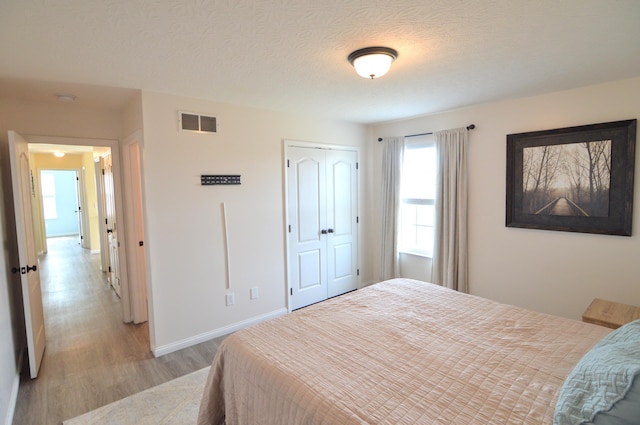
x=58 y=154
x=372 y=62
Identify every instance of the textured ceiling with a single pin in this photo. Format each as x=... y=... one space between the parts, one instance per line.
x=291 y=55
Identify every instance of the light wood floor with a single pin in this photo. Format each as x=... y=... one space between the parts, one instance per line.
x=91 y=358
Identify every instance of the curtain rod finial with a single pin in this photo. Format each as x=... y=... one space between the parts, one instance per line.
x=471 y=126
x=379 y=139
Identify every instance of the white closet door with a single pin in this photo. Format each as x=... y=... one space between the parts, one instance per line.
x=322 y=203
x=306 y=181
x=342 y=225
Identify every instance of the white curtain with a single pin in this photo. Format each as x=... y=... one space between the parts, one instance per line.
x=391 y=172
x=450 y=264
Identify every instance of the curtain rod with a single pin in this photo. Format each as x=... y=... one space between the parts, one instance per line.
x=469 y=127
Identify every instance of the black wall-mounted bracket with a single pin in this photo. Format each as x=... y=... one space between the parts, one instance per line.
x=208 y=180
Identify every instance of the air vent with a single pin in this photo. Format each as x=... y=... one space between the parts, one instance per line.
x=188 y=121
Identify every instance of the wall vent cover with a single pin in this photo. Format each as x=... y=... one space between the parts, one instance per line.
x=189 y=121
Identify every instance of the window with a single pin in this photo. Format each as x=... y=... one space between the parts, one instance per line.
x=417 y=203
x=48 y=184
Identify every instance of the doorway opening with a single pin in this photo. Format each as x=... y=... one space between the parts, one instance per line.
x=103 y=184
x=99 y=198
x=96 y=201
x=61 y=205
x=71 y=199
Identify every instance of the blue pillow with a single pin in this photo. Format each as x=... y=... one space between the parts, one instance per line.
x=602 y=385
x=625 y=412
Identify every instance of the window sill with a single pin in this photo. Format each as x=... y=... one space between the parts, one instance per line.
x=416 y=254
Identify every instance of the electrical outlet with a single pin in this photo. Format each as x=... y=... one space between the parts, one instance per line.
x=230 y=299
x=254 y=293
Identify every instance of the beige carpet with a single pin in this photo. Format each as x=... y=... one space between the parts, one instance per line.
x=174 y=402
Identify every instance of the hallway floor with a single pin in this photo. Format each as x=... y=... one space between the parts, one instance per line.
x=91 y=358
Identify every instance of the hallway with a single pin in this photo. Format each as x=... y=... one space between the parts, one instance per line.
x=91 y=358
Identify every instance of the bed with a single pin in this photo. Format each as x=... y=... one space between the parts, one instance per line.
x=397 y=352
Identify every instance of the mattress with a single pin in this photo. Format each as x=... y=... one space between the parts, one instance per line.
x=397 y=352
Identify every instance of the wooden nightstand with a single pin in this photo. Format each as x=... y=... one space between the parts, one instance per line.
x=610 y=314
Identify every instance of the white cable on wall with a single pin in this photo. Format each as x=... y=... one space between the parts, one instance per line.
x=225 y=241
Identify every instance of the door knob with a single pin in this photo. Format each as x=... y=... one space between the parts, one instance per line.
x=21 y=270
x=32 y=268
x=323 y=231
x=109 y=230
x=329 y=230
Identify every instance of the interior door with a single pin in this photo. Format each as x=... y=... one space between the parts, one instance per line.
x=306 y=182
x=83 y=218
x=102 y=218
x=139 y=308
x=342 y=221
x=29 y=268
x=112 y=226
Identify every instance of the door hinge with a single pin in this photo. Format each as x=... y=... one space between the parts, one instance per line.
x=106 y=221
x=289 y=228
x=357 y=219
x=81 y=237
x=109 y=269
x=103 y=171
x=140 y=243
x=357 y=165
x=358 y=272
x=290 y=291
x=287 y=163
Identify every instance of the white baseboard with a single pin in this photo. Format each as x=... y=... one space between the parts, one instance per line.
x=188 y=342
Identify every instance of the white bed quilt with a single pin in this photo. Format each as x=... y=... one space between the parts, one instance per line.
x=397 y=352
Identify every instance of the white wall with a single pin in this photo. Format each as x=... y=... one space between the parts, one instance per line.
x=12 y=336
x=184 y=228
x=415 y=266
x=132 y=116
x=554 y=272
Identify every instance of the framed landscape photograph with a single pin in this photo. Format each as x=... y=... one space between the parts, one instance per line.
x=574 y=179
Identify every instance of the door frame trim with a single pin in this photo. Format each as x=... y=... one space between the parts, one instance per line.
x=136 y=219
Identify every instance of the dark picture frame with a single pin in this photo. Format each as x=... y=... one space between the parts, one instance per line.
x=573 y=179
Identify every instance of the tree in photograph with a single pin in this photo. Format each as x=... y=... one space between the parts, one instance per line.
x=587 y=168
x=598 y=164
x=577 y=176
x=539 y=171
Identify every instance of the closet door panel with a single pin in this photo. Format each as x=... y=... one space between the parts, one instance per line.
x=342 y=215
x=306 y=180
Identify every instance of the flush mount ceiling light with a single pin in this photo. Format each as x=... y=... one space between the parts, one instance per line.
x=58 y=154
x=372 y=62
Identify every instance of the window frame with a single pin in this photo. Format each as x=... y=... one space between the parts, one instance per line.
x=418 y=142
